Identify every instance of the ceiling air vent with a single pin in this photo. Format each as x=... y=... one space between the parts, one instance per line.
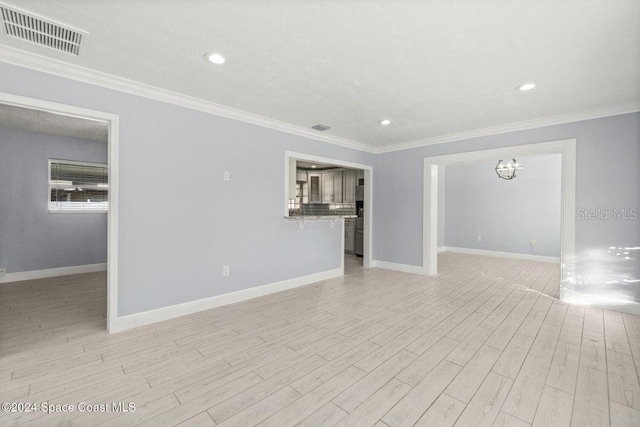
x=320 y=127
x=45 y=32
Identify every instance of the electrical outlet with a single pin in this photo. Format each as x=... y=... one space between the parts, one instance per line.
x=227 y=176
x=532 y=243
x=226 y=270
x=479 y=238
x=2 y=271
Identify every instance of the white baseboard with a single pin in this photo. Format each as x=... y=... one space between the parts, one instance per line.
x=499 y=254
x=165 y=313
x=52 y=272
x=442 y=249
x=405 y=268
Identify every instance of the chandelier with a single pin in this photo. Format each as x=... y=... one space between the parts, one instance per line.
x=509 y=170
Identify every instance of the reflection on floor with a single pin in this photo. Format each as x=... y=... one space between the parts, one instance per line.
x=543 y=277
x=478 y=344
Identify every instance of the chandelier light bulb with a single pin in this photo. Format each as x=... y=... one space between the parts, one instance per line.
x=507 y=172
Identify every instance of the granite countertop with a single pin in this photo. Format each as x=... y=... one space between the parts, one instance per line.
x=317 y=217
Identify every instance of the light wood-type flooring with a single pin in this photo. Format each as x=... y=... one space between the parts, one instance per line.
x=480 y=344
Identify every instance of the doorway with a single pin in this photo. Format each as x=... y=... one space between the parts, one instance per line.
x=75 y=190
x=515 y=219
x=323 y=189
x=432 y=166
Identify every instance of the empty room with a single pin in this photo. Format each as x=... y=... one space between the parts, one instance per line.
x=319 y=213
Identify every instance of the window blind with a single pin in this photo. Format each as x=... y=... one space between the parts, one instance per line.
x=78 y=186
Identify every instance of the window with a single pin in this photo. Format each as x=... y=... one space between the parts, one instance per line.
x=78 y=186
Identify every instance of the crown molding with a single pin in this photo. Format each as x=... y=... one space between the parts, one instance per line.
x=578 y=116
x=64 y=69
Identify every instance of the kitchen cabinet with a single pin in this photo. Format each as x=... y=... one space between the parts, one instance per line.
x=327 y=187
x=349 y=180
x=332 y=187
x=315 y=187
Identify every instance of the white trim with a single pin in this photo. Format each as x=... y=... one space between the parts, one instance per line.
x=52 y=272
x=342 y=225
x=368 y=195
x=86 y=75
x=430 y=221
x=112 y=223
x=500 y=254
x=566 y=148
x=173 y=311
x=405 y=268
x=578 y=116
x=78 y=211
x=112 y=219
x=534 y=149
x=78 y=163
x=71 y=71
x=368 y=218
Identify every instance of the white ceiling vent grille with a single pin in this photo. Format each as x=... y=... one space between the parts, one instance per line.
x=44 y=32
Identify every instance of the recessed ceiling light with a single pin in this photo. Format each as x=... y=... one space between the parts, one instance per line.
x=313 y=166
x=526 y=86
x=385 y=122
x=215 y=58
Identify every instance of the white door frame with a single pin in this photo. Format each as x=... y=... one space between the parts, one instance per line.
x=112 y=215
x=566 y=148
x=368 y=196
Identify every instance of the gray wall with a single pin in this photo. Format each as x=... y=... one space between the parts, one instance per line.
x=174 y=238
x=31 y=238
x=507 y=215
x=608 y=155
x=171 y=250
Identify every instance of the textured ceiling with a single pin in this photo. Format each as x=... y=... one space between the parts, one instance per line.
x=52 y=124
x=432 y=67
